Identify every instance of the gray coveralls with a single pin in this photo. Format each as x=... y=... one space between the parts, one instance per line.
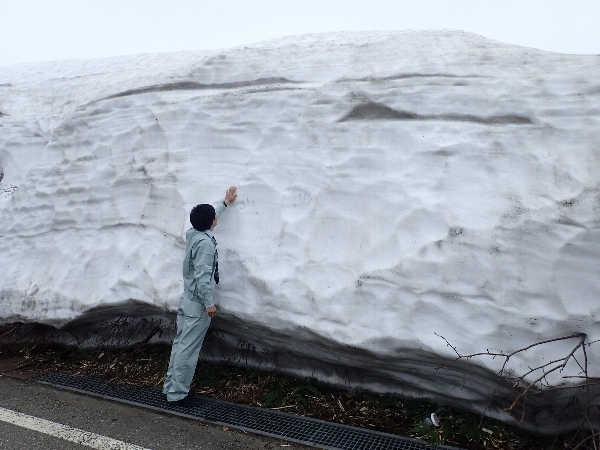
x=192 y=319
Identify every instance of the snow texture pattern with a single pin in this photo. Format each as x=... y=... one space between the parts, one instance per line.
x=392 y=185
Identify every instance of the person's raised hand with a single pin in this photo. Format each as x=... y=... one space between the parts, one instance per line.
x=230 y=195
x=212 y=311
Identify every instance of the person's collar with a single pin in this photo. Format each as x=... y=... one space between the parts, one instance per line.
x=210 y=233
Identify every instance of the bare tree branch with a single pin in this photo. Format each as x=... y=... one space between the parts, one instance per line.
x=587 y=437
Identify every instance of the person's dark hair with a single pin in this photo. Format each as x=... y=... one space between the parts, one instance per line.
x=202 y=217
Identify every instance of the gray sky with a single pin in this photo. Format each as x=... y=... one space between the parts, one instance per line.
x=38 y=30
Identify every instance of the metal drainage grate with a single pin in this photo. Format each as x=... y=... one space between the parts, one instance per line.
x=299 y=429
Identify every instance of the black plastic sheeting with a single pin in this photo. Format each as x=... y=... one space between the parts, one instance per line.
x=299 y=429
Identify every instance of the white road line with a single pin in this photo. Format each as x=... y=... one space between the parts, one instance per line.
x=65 y=432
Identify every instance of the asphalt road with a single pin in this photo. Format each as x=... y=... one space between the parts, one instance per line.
x=145 y=428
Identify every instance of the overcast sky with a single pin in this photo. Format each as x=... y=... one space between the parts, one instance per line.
x=38 y=30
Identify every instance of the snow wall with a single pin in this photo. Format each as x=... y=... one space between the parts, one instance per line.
x=393 y=187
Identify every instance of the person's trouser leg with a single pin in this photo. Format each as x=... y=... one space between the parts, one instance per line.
x=192 y=326
x=180 y=322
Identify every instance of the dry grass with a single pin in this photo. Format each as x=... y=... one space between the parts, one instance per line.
x=146 y=366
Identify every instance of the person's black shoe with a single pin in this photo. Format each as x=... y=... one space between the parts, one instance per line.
x=186 y=401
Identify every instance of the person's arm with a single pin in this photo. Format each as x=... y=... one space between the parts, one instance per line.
x=230 y=197
x=204 y=256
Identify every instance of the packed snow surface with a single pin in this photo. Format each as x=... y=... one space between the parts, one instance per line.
x=393 y=187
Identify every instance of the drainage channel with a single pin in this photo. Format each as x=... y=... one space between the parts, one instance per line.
x=304 y=430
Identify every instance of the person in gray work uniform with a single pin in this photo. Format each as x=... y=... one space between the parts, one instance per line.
x=196 y=306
